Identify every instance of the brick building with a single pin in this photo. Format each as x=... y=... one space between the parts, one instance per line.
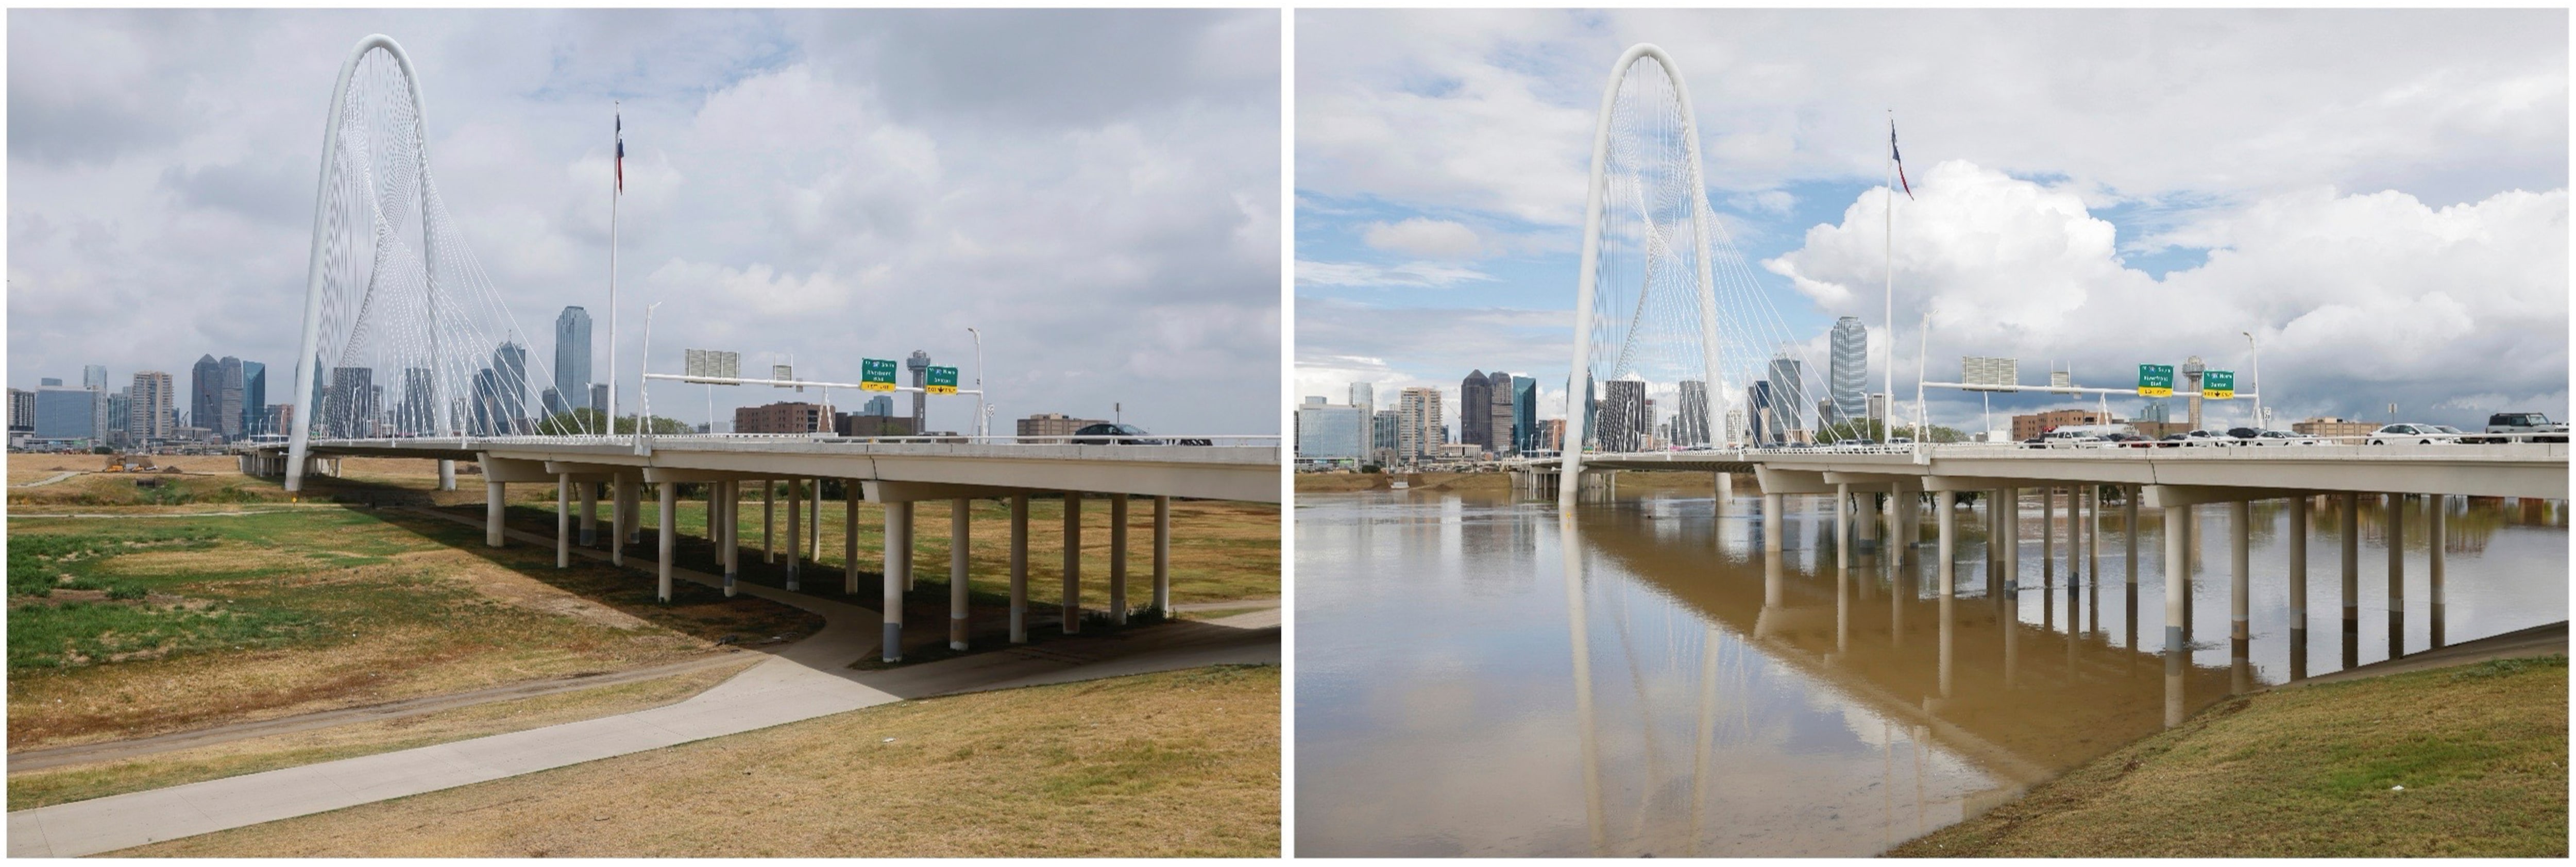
x=783 y=418
x=2027 y=426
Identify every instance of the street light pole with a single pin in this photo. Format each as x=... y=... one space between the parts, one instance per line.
x=2257 y=351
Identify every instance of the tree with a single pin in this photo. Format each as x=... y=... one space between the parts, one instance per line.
x=584 y=420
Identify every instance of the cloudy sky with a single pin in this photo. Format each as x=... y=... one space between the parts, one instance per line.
x=2379 y=196
x=1098 y=192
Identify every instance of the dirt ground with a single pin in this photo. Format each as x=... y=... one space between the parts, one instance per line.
x=1175 y=764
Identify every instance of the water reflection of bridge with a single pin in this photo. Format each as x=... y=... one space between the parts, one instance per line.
x=2022 y=701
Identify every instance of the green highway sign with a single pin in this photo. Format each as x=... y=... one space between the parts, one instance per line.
x=2155 y=380
x=943 y=380
x=876 y=374
x=2218 y=384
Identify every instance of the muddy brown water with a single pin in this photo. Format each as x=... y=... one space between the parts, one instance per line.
x=1456 y=695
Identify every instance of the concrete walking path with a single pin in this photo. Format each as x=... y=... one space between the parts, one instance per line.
x=807 y=679
x=49 y=480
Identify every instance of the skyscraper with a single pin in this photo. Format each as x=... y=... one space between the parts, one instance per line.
x=22 y=409
x=1385 y=434
x=1690 y=424
x=254 y=410
x=1850 y=374
x=510 y=384
x=919 y=364
x=1475 y=410
x=1789 y=400
x=1499 y=412
x=1364 y=396
x=1624 y=416
x=227 y=421
x=349 y=405
x=205 y=393
x=1759 y=426
x=94 y=377
x=1524 y=414
x=147 y=407
x=572 y=357
x=487 y=404
x=1418 y=423
x=880 y=406
x=416 y=415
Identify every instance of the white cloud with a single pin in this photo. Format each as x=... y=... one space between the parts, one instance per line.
x=1362 y=274
x=1424 y=238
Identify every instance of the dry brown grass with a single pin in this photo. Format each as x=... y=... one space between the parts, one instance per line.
x=69 y=783
x=1174 y=764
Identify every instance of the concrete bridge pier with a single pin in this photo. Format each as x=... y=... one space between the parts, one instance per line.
x=563 y=521
x=589 y=514
x=2177 y=603
x=1163 y=556
x=2048 y=538
x=849 y=537
x=730 y=542
x=621 y=521
x=1020 y=568
x=2129 y=528
x=2433 y=563
x=2299 y=587
x=2396 y=575
x=961 y=518
x=2351 y=539
x=796 y=525
x=1725 y=490
x=898 y=572
x=1909 y=518
x=2240 y=533
x=1072 y=562
x=1842 y=525
x=2010 y=501
x=447 y=474
x=1118 y=559
x=1946 y=503
x=814 y=523
x=768 y=520
x=668 y=529
x=1772 y=517
x=1867 y=518
x=495 y=495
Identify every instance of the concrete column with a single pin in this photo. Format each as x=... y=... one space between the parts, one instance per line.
x=2396 y=575
x=669 y=531
x=563 y=521
x=1163 y=556
x=446 y=474
x=589 y=514
x=495 y=499
x=618 y=520
x=1842 y=526
x=635 y=510
x=768 y=520
x=1019 y=568
x=1118 y=559
x=2129 y=527
x=1909 y=519
x=1868 y=521
x=2009 y=499
x=2298 y=587
x=2240 y=542
x=2177 y=600
x=1725 y=491
x=1773 y=515
x=795 y=550
x=850 y=537
x=1072 y=562
x=2433 y=564
x=2093 y=532
x=2351 y=533
x=731 y=540
x=814 y=525
x=961 y=516
x=898 y=572
x=1946 y=504
x=2048 y=536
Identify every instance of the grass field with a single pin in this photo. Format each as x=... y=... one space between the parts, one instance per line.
x=2480 y=752
x=1175 y=764
x=129 y=627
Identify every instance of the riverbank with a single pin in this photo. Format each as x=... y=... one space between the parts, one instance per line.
x=2464 y=761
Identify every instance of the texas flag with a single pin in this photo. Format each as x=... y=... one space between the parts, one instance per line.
x=621 y=150
x=1891 y=154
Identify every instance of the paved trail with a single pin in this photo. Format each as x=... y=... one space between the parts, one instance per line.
x=807 y=679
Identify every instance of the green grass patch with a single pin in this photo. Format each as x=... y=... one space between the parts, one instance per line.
x=82 y=633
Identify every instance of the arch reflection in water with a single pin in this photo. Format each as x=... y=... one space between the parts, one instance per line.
x=1694 y=697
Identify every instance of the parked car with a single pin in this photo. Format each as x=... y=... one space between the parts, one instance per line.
x=2419 y=434
x=2523 y=423
x=2286 y=438
x=1107 y=433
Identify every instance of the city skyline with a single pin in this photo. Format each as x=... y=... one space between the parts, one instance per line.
x=951 y=177
x=2082 y=228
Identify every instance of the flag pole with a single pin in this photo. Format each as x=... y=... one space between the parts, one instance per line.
x=613 y=192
